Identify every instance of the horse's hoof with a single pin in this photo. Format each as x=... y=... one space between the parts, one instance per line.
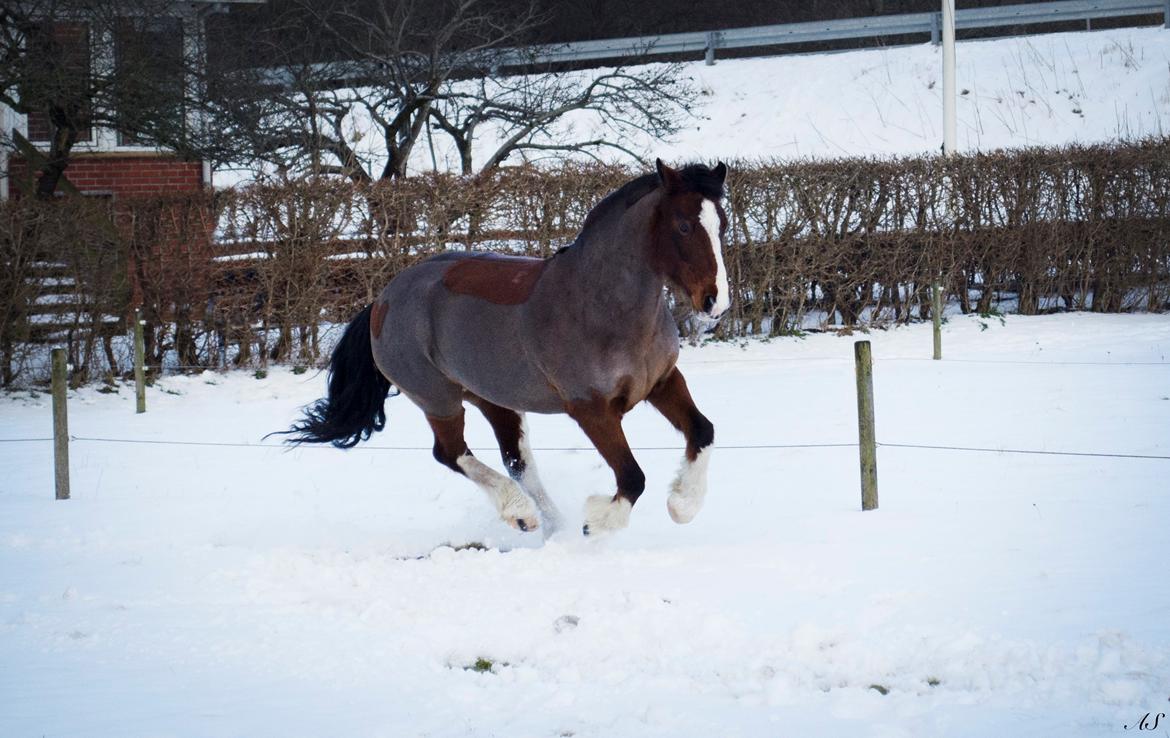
x=551 y=524
x=517 y=509
x=604 y=514
x=682 y=508
x=689 y=488
x=524 y=525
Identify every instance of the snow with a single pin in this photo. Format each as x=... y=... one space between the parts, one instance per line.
x=1053 y=89
x=196 y=590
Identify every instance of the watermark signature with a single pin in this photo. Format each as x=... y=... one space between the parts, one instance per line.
x=1149 y=721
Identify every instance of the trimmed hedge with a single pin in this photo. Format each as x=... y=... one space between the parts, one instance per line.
x=254 y=273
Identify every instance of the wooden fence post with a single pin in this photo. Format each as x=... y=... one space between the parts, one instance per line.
x=867 y=442
x=139 y=363
x=936 y=308
x=60 y=425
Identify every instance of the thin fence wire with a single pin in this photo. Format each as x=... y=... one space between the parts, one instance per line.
x=730 y=447
x=849 y=360
x=1035 y=452
x=1029 y=361
x=368 y=447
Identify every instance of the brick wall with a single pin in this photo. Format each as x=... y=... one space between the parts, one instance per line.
x=124 y=174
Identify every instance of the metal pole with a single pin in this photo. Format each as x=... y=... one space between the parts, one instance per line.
x=867 y=440
x=60 y=425
x=1166 y=15
x=948 y=73
x=949 y=138
x=709 y=55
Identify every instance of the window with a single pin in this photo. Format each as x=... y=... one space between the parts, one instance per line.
x=148 y=67
x=60 y=79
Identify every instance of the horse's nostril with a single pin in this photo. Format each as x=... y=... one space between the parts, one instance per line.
x=708 y=303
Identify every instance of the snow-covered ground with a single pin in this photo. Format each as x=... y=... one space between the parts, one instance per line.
x=193 y=590
x=1054 y=89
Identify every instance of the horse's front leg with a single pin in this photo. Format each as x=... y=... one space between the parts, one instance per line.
x=602 y=423
x=672 y=398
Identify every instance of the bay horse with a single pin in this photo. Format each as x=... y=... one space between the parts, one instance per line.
x=586 y=332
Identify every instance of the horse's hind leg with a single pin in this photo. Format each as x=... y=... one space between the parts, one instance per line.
x=511 y=431
x=672 y=398
x=515 y=507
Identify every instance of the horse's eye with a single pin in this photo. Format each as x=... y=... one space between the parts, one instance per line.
x=684 y=227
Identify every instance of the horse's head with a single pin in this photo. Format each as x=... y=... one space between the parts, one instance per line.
x=686 y=244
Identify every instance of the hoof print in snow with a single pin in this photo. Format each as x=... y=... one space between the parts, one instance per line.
x=565 y=622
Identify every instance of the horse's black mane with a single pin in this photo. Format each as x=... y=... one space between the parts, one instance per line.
x=697 y=177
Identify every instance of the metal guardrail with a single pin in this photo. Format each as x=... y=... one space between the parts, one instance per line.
x=834 y=30
x=708 y=42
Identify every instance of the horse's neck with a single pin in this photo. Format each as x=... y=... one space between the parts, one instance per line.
x=610 y=267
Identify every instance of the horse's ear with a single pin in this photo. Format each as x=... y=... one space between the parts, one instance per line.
x=669 y=178
x=720 y=172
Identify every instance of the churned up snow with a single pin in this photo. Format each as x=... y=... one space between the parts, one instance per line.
x=221 y=590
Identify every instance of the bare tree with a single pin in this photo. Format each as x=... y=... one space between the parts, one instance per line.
x=352 y=86
x=526 y=112
x=361 y=68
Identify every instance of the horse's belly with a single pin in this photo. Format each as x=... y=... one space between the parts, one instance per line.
x=481 y=347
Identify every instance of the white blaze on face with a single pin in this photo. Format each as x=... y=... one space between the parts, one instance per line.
x=709 y=218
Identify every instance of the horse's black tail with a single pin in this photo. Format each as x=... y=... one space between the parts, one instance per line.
x=355 y=406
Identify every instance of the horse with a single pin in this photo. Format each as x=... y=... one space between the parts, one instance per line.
x=586 y=332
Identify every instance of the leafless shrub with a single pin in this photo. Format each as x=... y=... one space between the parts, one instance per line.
x=253 y=274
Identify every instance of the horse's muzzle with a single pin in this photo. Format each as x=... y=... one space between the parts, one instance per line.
x=705 y=322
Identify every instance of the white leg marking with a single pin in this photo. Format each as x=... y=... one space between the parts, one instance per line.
x=515 y=507
x=689 y=488
x=709 y=218
x=604 y=514
x=531 y=483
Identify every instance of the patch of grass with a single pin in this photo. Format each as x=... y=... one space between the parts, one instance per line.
x=933 y=681
x=880 y=689
x=993 y=313
x=300 y=369
x=260 y=373
x=792 y=333
x=108 y=389
x=481 y=665
x=470 y=546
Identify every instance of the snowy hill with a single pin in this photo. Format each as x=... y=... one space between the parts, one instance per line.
x=1014 y=92
x=1087 y=87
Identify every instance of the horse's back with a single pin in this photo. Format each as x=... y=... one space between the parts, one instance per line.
x=455 y=322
